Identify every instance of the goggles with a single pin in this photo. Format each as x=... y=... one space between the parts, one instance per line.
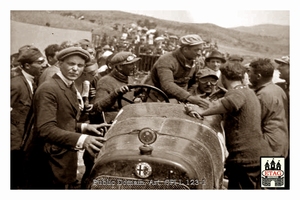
x=130 y=58
x=213 y=82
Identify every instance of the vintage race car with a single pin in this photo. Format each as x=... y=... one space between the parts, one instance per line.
x=156 y=145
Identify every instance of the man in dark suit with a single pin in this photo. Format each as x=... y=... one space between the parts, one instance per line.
x=22 y=88
x=57 y=132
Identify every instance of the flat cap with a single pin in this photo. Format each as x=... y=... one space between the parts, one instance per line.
x=91 y=66
x=29 y=54
x=62 y=54
x=190 y=40
x=283 y=59
x=123 y=58
x=235 y=57
x=206 y=72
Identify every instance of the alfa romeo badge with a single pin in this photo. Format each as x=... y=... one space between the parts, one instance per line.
x=143 y=170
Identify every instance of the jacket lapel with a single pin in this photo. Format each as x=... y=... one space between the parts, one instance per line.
x=27 y=86
x=70 y=95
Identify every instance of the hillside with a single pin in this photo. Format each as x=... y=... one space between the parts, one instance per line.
x=247 y=41
x=266 y=30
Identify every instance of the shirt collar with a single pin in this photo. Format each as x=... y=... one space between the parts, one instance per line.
x=64 y=79
x=29 y=77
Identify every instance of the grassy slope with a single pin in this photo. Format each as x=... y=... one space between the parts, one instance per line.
x=241 y=41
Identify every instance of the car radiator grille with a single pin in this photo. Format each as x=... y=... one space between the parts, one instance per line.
x=121 y=183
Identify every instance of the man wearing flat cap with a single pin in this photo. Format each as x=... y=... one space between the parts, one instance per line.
x=174 y=71
x=207 y=80
x=22 y=89
x=57 y=134
x=235 y=58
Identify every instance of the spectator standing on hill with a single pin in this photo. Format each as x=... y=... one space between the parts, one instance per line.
x=22 y=89
x=242 y=126
x=174 y=72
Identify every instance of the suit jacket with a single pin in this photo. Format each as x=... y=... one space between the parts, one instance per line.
x=56 y=113
x=20 y=102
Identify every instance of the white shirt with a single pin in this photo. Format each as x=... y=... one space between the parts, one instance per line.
x=29 y=78
x=81 y=139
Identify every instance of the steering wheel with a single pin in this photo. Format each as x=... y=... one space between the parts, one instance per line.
x=142 y=91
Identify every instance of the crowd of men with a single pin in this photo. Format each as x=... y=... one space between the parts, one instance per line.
x=145 y=39
x=58 y=100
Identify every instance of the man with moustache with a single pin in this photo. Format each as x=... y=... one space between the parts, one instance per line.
x=206 y=83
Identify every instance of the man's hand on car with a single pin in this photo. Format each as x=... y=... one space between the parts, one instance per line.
x=93 y=144
x=198 y=101
x=193 y=113
x=95 y=129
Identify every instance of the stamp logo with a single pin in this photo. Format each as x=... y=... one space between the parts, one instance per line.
x=272 y=172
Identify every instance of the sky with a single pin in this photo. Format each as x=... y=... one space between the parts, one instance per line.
x=227 y=14
x=224 y=18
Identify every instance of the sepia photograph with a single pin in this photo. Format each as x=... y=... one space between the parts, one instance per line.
x=128 y=97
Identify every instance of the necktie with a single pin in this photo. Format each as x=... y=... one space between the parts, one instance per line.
x=79 y=99
x=73 y=89
x=34 y=86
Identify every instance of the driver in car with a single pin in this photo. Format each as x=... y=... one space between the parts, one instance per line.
x=108 y=89
x=114 y=84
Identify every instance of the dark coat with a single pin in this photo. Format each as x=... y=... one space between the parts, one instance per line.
x=56 y=113
x=20 y=102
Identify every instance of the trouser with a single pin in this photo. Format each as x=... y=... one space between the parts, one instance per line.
x=89 y=163
x=241 y=177
x=16 y=159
